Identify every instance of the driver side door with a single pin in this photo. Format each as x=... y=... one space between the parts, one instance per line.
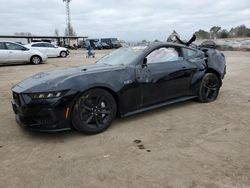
x=51 y=50
x=166 y=75
x=16 y=53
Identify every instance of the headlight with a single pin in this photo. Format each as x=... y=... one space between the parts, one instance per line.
x=47 y=95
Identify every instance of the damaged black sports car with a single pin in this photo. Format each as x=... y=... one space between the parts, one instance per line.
x=126 y=81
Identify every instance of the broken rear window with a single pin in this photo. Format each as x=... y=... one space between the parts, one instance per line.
x=164 y=55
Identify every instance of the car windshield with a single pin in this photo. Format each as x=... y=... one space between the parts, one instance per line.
x=122 y=56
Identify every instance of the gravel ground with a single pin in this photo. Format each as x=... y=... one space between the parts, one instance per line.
x=184 y=145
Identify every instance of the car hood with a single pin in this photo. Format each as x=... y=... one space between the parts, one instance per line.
x=55 y=80
x=62 y=48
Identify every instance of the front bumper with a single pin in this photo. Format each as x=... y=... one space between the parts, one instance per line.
x=40 y=127
x=46 y=115
x=44 y=59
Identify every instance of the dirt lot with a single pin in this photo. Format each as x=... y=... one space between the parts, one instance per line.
x=191 y=144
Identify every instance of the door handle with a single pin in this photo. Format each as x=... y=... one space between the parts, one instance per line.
x=183 y=67
x=10 y=52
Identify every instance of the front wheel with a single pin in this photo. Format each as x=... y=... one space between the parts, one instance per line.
x=209 y=88
x=63 y=54
x=94 y=111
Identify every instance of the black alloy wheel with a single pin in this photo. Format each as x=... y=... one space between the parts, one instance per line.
x=94 y=111
x=209 y=88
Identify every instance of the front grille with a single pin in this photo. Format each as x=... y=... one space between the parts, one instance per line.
x=16 y=98
x=45 y=120
x=42 y=122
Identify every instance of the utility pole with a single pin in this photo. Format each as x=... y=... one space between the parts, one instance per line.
x=69 y=29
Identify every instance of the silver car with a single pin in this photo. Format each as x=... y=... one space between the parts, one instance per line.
x=11 y=52
x=49 y=49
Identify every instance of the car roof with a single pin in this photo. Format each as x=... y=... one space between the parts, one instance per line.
x=39 y=42
x=154 y=45
x=13 y=43
x=10 y=42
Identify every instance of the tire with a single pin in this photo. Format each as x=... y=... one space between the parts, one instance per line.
x=94 y=111
x=63 y=54
x=209 y=88
x=35 y=60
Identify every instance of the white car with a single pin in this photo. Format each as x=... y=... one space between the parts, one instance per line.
x=11 y=52
x=49 y=49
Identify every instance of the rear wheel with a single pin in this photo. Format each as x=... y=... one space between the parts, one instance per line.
x=63 y=54
x=36 y=60
x=209 y=88
x=94 y=111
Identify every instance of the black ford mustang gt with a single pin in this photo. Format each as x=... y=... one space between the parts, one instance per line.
x=124 y=82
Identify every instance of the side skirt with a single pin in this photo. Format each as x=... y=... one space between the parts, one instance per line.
x=159 y=105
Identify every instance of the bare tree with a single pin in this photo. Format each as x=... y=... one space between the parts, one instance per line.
x=214 y=31
x=69 y=31
x=56 y=32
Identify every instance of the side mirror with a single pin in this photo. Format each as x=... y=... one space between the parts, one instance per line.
x=144 y=63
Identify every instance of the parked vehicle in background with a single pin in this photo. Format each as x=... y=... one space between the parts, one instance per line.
x=74 y=47
x=98 y=46
x=49 y=49
x=11 y=52
x=94 y=43
x=109 y=43
x=105 y=45
x=112 y=42
x=83 y=44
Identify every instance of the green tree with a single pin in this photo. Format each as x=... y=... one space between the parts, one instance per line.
x=240 y=31
x=201 y=34
x=223 y=34
x=214 y=31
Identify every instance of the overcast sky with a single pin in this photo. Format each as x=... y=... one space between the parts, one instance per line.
x=131 y=20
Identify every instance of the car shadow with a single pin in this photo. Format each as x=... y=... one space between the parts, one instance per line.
x=63 y=136
x=19 y=64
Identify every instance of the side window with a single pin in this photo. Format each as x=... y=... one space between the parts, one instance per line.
x=37 y=45
x=11 y=46
x=165 y=54
x=2 y=46
x=188 y=52
x=48 y=45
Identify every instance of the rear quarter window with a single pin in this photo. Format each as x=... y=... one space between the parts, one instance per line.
x=188 y=52
x=164 y=54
